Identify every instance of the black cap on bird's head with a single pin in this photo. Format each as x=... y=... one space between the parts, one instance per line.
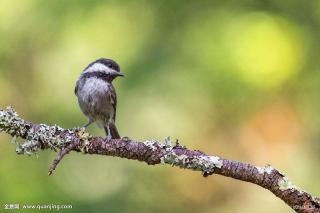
x=109 y=63
x=105 y=65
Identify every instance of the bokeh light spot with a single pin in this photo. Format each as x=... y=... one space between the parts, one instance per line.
x=266 y=50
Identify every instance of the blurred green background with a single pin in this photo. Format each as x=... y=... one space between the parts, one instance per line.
x=238 y=79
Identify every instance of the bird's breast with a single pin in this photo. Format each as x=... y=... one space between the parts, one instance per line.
x=93 y=97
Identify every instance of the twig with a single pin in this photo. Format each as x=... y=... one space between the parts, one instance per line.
x=62 y=153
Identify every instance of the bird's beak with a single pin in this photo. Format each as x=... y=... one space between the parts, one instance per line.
x=116 y=73
x=120 y=74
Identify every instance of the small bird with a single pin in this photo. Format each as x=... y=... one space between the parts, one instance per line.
x=96 y=95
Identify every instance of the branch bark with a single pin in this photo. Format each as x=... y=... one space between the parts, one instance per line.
x=41 y=136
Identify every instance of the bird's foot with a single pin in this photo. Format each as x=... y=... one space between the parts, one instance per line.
x=88 y=124
x=108 y=138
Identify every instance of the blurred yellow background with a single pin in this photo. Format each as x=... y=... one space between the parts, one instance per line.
x=238 y=79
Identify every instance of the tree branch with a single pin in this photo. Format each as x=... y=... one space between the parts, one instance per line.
x=40 y=136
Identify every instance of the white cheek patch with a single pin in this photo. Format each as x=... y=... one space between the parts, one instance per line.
x=96 y=67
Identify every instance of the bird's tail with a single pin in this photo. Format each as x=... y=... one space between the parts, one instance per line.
x=113 y=131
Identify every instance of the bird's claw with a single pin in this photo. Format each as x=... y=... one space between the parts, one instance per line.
x=108 y=139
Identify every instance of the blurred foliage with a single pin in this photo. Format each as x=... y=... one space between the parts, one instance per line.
x=240 y=79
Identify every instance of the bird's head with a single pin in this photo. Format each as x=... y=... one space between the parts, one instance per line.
x=104 y=66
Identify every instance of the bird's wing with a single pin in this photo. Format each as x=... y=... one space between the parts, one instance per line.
x=113 y=100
